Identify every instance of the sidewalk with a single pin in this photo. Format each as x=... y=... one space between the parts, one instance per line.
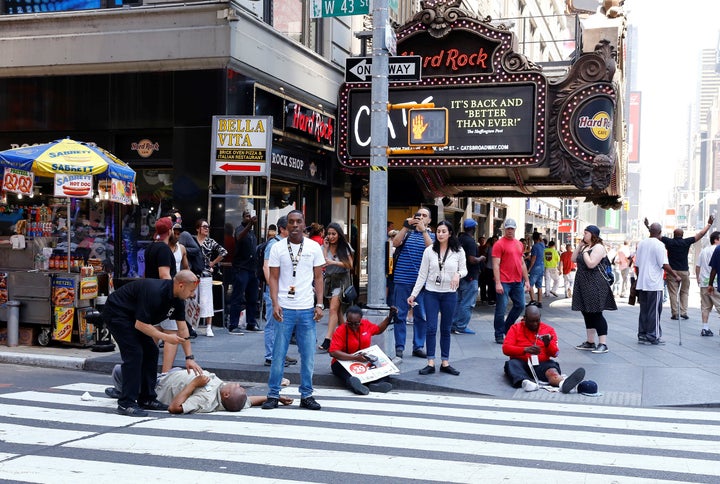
x=630 y=374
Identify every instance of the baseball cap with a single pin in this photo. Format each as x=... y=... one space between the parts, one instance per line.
x=162 y=227
x=510 y=223
x=588 y=388
x=469 y=223
x=593 y=229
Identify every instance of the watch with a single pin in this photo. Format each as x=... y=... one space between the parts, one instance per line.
x=320 y=306
x=190 y=357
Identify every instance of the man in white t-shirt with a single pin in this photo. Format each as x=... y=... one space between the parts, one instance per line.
x=708 y=299
x=296 y=292
x=651 y=259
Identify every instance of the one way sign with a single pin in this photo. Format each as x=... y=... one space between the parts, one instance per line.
x=401 y=68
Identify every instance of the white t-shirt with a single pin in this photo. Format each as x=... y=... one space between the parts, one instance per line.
x=703 y=263
x=650 y=257
x=310 y=257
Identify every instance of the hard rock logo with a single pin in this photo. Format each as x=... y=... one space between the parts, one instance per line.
x=599 y=125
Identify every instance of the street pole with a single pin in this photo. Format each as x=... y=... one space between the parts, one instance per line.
x=377 y=217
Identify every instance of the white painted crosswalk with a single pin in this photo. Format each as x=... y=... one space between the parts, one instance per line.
x=55 y=436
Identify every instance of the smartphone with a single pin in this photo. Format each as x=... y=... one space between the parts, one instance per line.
x=253 y=213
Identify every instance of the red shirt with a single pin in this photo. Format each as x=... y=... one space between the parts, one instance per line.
x=520 y=337
x=567 y=263
x=350 y=341
x=510 y=253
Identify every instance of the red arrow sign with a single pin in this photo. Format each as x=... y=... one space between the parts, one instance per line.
x=230 y=167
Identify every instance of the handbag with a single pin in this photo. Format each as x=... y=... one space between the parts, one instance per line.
x=349 y=294
x=606 y=270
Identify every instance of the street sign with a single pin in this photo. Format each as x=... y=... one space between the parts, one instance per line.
x=400 y=68
x=339 y=8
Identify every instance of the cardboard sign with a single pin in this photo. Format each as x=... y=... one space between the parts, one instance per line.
x=18 y=181
x=367 y=372
x=75 y=186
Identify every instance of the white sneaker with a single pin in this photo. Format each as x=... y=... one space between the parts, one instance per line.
x=529 y=386
x=209 y=331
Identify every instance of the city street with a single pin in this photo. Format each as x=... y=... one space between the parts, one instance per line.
x=51 y=433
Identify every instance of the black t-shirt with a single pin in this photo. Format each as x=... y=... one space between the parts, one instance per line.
x=677 y=250
x=470 y=247
x=244 y=257
x=159 y=254
x=148 y=300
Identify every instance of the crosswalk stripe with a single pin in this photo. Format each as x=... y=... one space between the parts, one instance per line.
x=372 y=413
x=63 y=470
x=361 y=463
x=23 y=434
x=480 y=402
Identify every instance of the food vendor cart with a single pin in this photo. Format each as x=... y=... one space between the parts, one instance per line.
x=56 y=243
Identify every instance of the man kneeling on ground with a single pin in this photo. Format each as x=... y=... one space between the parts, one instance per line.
x=205 y=393
x=347 y=341
x=531 y=337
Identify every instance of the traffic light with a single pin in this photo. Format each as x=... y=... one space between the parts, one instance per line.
x=428 y=127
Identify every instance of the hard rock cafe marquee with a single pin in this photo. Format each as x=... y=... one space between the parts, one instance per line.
x=503 y=113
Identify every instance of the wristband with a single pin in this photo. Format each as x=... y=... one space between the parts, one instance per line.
x=190 y=357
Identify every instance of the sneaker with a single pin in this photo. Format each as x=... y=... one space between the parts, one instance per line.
x=685 y=316
x=253 y=328
x=455 y=331
x=290 y=361
x=529 y=386
x=270 y=403
x=601 y=348
x=380 y=387
x=113 y=393
x=572 y=381
x=704 y=332
x=499 y=340
x=309 y=403
x=209 y=332
x=418 y=353
x=154 y=405
x=398 y=353
x=236 y=331
x=356 y=386
x=491 y=303
x=673 y=317
x=269 y=363
x=586 y=346
x=467 y=331
x=657 y=342
x=539 y=305
x=131 y=411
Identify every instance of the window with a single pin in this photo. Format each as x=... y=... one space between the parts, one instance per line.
x=291 y=18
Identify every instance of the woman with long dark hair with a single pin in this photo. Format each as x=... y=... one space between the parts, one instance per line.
x=592 y=294
x=443 y=265
x=338 y=275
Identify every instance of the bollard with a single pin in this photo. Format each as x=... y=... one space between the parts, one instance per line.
x=13 y=323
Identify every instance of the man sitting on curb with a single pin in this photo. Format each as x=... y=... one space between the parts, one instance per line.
x=205 y=393
x=531 y=337
x=349 y=338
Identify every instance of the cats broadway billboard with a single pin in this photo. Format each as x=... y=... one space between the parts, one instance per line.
x=502 y=110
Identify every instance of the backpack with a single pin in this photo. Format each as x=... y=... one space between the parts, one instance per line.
x=260 y=260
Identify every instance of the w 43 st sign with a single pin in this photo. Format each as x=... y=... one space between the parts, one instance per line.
x=339 y=8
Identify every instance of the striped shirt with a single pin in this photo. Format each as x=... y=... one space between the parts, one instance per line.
x=408 y=262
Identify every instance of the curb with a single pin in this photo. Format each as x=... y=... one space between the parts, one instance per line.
x=51 y=361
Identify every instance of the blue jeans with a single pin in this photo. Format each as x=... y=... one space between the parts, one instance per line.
x=269 y=330
x=516 y=292
x=300 y=320
x=445 y=303
x=402 y=292
x=245 y=293
x=466 y=298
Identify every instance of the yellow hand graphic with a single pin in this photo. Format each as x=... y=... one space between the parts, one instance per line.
x=418 y=128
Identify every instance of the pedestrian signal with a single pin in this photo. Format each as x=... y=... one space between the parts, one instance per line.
x=428 y=127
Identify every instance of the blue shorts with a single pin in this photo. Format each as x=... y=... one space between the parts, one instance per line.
x=536 y=279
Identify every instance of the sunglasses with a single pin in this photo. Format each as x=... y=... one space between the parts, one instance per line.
x=204 y=226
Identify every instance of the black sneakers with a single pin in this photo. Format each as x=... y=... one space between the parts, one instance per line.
x=270 y=403
x=154 y=405
x=131 y=411
x=572 y=381
x=704 y=332
x=586 y=346
x=309 y=403
x=357 y=387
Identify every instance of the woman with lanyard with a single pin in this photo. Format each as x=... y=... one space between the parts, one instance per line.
x=339 y=262
x=443 y=265
x=213 y=253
